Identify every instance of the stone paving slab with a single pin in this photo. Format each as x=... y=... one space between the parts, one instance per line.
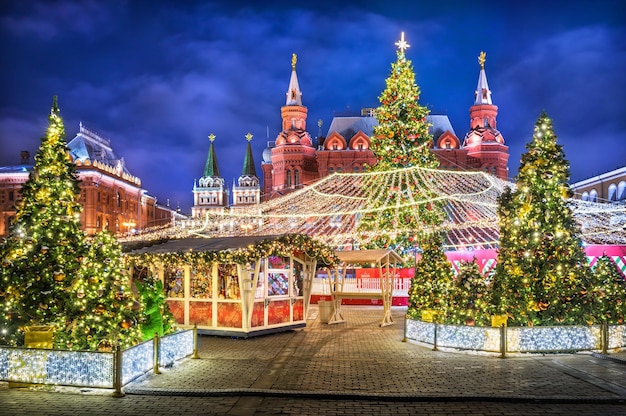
x=359 y=359
x=345 y=369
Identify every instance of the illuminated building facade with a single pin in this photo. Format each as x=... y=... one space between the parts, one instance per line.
x=292 y=160
x=112 y=198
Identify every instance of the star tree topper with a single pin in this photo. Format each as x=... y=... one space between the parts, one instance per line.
x=402 y=44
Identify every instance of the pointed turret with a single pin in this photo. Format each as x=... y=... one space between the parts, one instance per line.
x=211 y=170
x=248 y=189
x=483 y=113
x=293 y=157
x=484 y=143
x=294 y=95
x=211 y=193
x=482 y=95
x=248 y=161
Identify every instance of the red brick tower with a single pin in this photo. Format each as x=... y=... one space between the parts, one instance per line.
x=484 y=144
x=294 y=162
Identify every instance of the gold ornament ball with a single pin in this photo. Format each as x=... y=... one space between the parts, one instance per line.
x=126 y=323
x=58 y=276
x=100 y=309
x=105 y=346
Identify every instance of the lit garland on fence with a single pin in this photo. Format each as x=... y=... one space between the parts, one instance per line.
x=518 y=339
x=175 y=347
x=137 y=361
x=70 y=368
x=90 y=368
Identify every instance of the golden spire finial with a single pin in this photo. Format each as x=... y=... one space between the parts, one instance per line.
x=402 y=44
x=294 y=59
x=211 y=137
x=248 y=137
x=481 y=59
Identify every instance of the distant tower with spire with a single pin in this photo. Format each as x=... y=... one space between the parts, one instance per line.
x=247 y=190
x=210 y=192
x=293 y=159
x=484 y=143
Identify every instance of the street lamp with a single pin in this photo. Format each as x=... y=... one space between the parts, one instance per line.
x=129 y=225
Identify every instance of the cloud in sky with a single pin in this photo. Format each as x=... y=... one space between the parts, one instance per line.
x=156 y=78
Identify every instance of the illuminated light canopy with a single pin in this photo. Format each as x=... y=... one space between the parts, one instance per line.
x=331 y=208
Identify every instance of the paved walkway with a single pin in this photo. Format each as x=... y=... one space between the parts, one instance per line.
x=348 y=368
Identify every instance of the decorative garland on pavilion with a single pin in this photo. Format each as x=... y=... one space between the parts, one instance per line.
x=281 y=246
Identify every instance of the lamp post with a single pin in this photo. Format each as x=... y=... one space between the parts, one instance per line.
x=129 y=224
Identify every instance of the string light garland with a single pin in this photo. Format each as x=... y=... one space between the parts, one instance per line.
x=330 y=209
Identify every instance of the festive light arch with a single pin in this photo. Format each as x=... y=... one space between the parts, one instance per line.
x=330 y=210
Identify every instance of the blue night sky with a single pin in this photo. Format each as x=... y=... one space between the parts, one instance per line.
x=157 y=77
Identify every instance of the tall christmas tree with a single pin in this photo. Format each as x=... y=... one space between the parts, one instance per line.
x=608 y=292
x=542 y=272
x=432 y=284
x=401 y=140
x=44 y=250
x=468 y=296
x=103 y=311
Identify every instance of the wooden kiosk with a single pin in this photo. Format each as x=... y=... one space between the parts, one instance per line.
x=235 y=286
x=343 y=287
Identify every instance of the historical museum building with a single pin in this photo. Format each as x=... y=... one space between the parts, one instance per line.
x=293 y=161
x=609 y=187
x=112 y=198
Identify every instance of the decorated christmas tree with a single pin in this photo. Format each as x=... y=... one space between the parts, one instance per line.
x=103 y=311
x=158 y=317
x=431 y=286
x=45 y=248
x=608 y=292
x=401 y=140
x=542 y=272
x=468 y=296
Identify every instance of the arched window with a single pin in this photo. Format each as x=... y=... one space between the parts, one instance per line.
x=119 y=199
x=612 y=192
x=621 y=191
x=593 y=196
x=288 y=178
x=585 y=196
x=296 y=178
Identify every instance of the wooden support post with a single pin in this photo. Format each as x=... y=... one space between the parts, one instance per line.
x=605 y=337
x=195 y=342
x=435 y=340
x=117 y=372
x=155 y=359
x=503 y=341
x=404 y=339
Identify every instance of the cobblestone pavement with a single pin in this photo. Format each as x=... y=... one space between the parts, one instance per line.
x=348 y=368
